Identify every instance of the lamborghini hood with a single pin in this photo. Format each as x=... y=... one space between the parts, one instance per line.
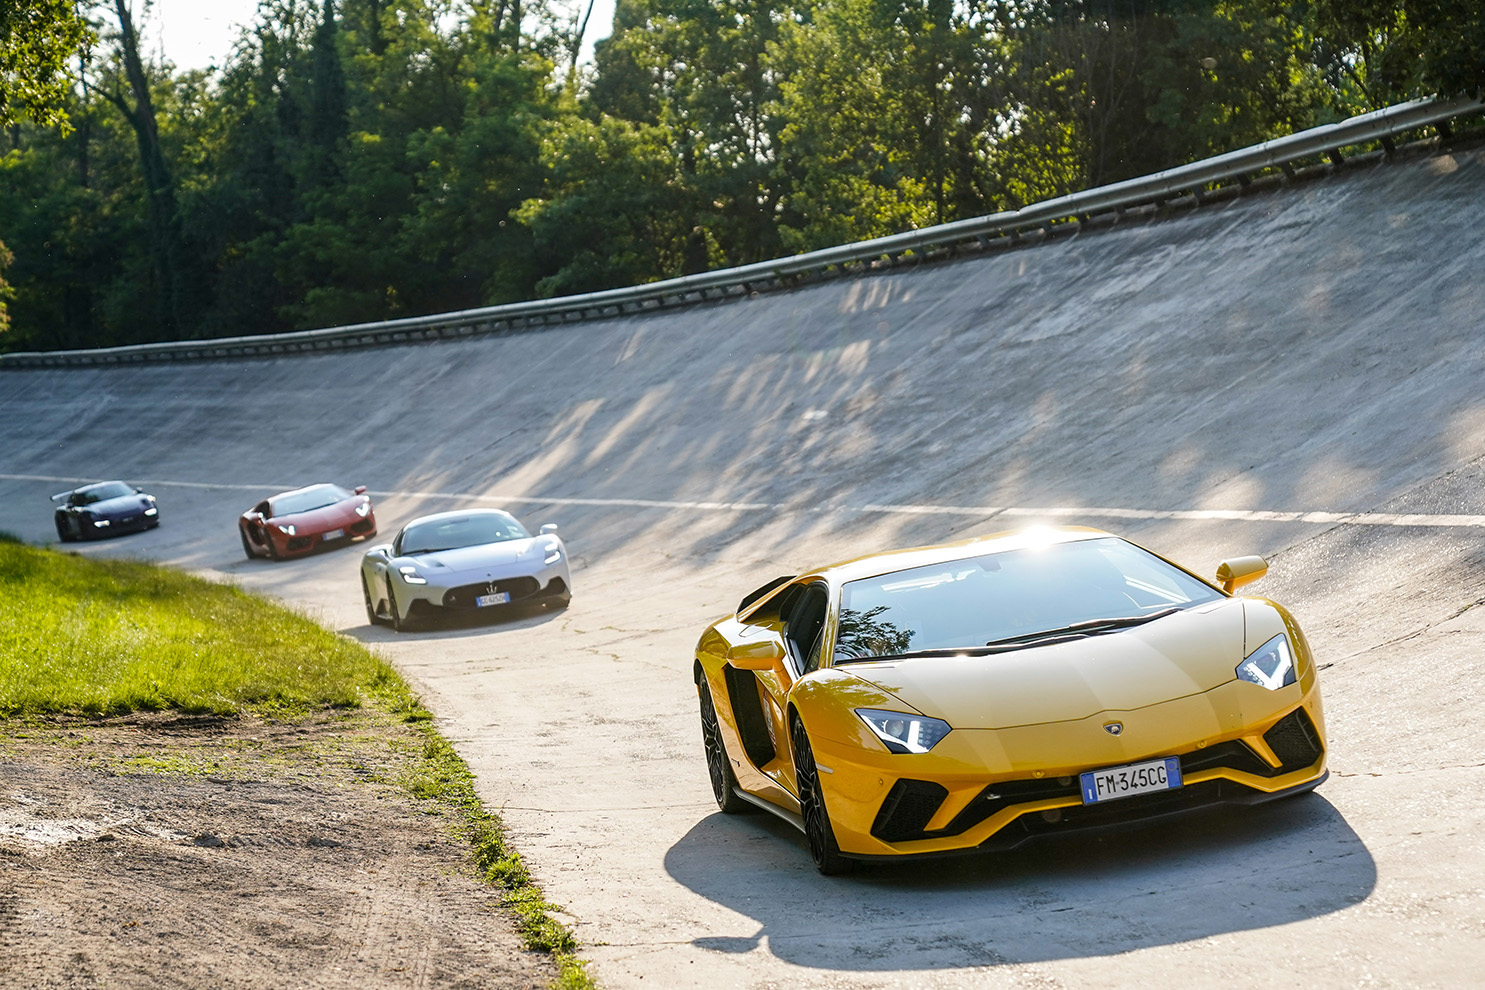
x=1186 y=653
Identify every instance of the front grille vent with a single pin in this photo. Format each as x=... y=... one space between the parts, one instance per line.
x=908 y=809
x=465 y=595
x=1294 y=741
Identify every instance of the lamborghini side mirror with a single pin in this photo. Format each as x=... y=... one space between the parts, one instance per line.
x=1233 y=574
x=766 y=654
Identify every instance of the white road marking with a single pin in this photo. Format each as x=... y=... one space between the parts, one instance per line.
x=978 y=511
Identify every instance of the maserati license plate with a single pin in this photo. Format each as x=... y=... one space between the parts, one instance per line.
x=499 y=598
x=334 y=534
x=1113 y=783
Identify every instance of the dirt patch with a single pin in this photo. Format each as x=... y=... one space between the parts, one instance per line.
x=165 y=852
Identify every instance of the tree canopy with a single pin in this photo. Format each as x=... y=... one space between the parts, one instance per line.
x=357 y=160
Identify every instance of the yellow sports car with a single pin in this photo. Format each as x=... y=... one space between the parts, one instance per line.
x=977 y=695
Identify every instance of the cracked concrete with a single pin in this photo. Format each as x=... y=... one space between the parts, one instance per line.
x=1296 y=356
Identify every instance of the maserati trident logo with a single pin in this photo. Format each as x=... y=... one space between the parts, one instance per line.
x=490 y=588
x=1113 y=728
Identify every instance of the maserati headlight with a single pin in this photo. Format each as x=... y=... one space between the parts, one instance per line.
x=1271 y=665
x=100 y=523
x=410 y=574
x=363 y=508
x=286 y=530
x=904 y=733
x=152 y=511
x=554 y=554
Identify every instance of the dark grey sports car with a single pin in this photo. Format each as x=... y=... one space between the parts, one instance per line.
x=104 y=509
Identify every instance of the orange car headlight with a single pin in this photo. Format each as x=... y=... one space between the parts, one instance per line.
x=903 y=733
x=1270 y=666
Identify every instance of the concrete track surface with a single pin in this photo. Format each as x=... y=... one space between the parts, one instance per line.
x=1297 y=374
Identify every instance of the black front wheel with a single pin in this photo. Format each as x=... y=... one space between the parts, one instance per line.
x=399 y=624
x=247 y=548
x=817 y=830
x=371 y=616
x=718 y=766
x=64 y=533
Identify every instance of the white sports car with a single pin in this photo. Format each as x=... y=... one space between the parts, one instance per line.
x=461 y=562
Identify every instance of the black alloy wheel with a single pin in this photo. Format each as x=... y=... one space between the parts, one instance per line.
x=247 y=547
x=371 y=616
x=724 y=781
x=399 y=624
x=817 y=830
x=272 y=547
x=63 y=532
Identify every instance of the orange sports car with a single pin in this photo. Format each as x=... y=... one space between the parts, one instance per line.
x=978 y=695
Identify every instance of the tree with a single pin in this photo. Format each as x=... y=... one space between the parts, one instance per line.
x=887 y=110
x=6 y=292
x=1379 y=52
x=699 y=71
x=138 y=109
x=37 y=39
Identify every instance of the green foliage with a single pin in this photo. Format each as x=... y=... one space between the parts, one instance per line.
x=1378 y=52
x=37 y=39
x=366 y=159
x=6 y=292
x=91 y=637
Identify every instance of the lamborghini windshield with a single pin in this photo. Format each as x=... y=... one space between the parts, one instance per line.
x=308 y=499
x=1017 y=596
x=453 y=532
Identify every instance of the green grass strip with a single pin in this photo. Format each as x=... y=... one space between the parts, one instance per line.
x=442 y=776
x=104 y=637
x=108 y=637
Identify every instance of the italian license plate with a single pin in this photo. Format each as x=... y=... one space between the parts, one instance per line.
x=499 y=598
x=1137 y=778
x=334 y=534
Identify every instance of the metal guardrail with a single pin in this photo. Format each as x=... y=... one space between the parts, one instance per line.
x=1195 y=179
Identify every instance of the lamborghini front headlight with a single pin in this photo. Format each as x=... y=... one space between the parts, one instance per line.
x=1271 y=665
x=903 y=733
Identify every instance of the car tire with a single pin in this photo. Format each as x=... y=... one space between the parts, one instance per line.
x=817 y=830
x=371 y=616
x=247 y=547
x=272 y=548
x=399 y=624
x=63 y=533
x=718 y=765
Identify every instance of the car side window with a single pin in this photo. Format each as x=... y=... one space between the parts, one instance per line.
x=805 y=624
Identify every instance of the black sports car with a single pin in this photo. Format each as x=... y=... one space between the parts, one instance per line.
x=103 y=509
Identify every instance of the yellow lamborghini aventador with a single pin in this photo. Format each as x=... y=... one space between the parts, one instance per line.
x=980 y=694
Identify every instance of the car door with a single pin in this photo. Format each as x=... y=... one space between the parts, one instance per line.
x=803 y=625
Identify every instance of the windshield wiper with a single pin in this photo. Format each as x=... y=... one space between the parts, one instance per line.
x=1088 y=627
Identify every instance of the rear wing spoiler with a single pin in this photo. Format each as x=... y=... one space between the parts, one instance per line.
x=62 y=494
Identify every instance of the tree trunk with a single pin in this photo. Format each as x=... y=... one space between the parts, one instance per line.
x=164 y=223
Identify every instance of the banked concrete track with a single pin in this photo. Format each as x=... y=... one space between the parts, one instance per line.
x=1296 y=374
